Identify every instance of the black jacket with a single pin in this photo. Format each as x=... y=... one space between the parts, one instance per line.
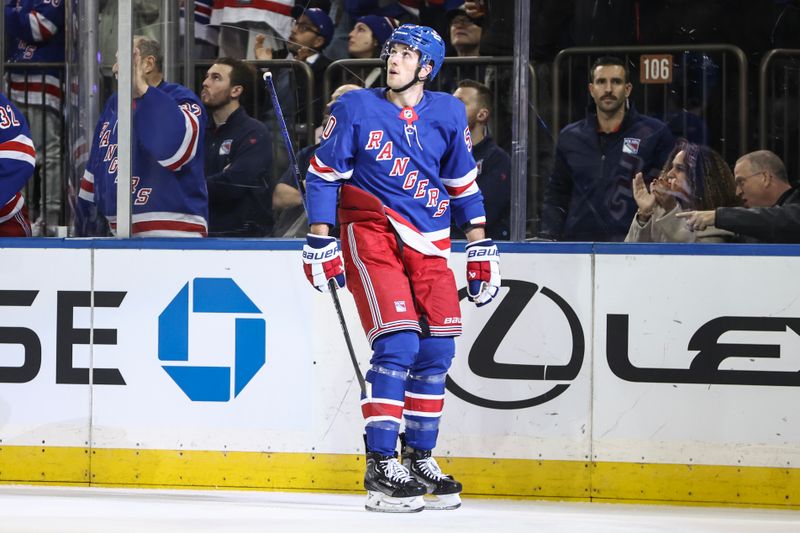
x=777 y=224
x=238 y=160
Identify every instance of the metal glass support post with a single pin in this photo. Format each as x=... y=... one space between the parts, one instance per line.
x=124 y=130
x=519 y=125
x=188 y=44
x=169 y=38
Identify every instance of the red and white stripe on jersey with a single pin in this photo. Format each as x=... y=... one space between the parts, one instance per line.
x=12 y=207
x=427 y=405
x=188 y=148
x=435 y=243
x=381 y=410
x=41 y=27
x=276 y=13
x=164 y=224
x=379 y=325
x=463 y=186
x=318 y=168
x=87 y=187
x=19 y=148
x=29 y=88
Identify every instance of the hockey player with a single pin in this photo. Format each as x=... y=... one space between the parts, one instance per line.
x=17 y=161
x=169 y=187
x=401 y=157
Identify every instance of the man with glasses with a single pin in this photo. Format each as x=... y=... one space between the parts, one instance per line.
x=772 y=205
x=311 y=32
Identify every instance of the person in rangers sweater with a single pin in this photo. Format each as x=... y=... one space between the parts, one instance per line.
x=36 y=32
x=17 y=161
x=169 y=196
x=401 y=158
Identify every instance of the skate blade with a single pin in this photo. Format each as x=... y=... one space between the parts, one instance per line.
x=381 y=503
x=442 y=502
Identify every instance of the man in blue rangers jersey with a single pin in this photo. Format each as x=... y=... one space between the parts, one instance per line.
x=401 y=158
x=36 y=31
x=169 y=196
x=17 y=161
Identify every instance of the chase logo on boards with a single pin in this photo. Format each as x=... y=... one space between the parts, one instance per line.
x=211 y=383
x=482 y=355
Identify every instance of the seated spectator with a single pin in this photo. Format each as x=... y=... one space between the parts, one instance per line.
x=311 y=32
x=240 y=21
x=206 y=36
x=588 y=196
x=290 y=216
x=695 y=177
x=366 y=42
x=465 y=33
x=772 y=205
x=169 y=197
x=238 y=155
x=494 y=163
x=17 y=161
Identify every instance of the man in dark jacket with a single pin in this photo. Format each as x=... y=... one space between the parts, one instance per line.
x=588 y=196
x=238 y=155
x=772 y=205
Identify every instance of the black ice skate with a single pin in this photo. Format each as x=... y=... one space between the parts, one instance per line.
x=390 y=488
x=443 y=491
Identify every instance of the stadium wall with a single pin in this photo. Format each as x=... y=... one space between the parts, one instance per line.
x=661 y=374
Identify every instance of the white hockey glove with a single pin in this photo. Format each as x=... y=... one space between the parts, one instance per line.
x=483 y=271
x=322 y=261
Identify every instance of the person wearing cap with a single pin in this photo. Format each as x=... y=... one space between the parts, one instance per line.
x=311 y=33
x=465 y=33
x=366 y=41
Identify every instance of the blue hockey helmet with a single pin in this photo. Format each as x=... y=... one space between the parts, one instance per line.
x=421 y=38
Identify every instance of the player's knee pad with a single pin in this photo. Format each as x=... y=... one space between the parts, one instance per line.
x=396 y=350
x=382 y=407
x=435 y=356
x=424 y=402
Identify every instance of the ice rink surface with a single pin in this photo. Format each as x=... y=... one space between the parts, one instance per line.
x=84 y=510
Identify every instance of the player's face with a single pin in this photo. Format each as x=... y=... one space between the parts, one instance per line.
x=401 y=66
x=464 y=32
x=469 y=96
x=361 y=44
x=608 y=89
x=216 y=90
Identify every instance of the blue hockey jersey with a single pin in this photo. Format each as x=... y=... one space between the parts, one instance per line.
x=416 y=161
x=169 y=187
x=17 y=158
x=36 y=29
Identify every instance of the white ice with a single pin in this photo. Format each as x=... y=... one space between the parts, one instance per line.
x=85 y=510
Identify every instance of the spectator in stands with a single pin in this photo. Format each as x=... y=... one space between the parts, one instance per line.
x=238 y=154
x=349 y=11
x=494 y=163
x=366 y=42
x=695 y=177
x=206 y=36
x=169 y=197
x=291 y=218
x=36 y=32
x=772 y=205
x=465 y=33
x=241 y=21
x=311 y=33
x=17 y=162
x=588 y=196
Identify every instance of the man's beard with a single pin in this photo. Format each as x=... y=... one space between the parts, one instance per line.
x=221 y=104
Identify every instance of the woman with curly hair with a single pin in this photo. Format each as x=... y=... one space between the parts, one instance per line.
x=695 y=177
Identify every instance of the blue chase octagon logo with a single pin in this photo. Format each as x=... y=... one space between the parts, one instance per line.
x=211 y=383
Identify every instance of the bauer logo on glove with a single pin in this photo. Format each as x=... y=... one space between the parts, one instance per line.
x=483 y=271
x=322 y=261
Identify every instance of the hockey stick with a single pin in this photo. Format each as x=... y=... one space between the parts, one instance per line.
x=300 y=187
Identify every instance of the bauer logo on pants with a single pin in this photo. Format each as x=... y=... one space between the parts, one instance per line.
x=212 y=295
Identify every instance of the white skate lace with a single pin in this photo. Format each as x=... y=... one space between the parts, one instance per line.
x=430 y=468
x=395 y=471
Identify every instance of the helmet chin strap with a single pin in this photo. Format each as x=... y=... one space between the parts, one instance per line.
x=409 y=84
